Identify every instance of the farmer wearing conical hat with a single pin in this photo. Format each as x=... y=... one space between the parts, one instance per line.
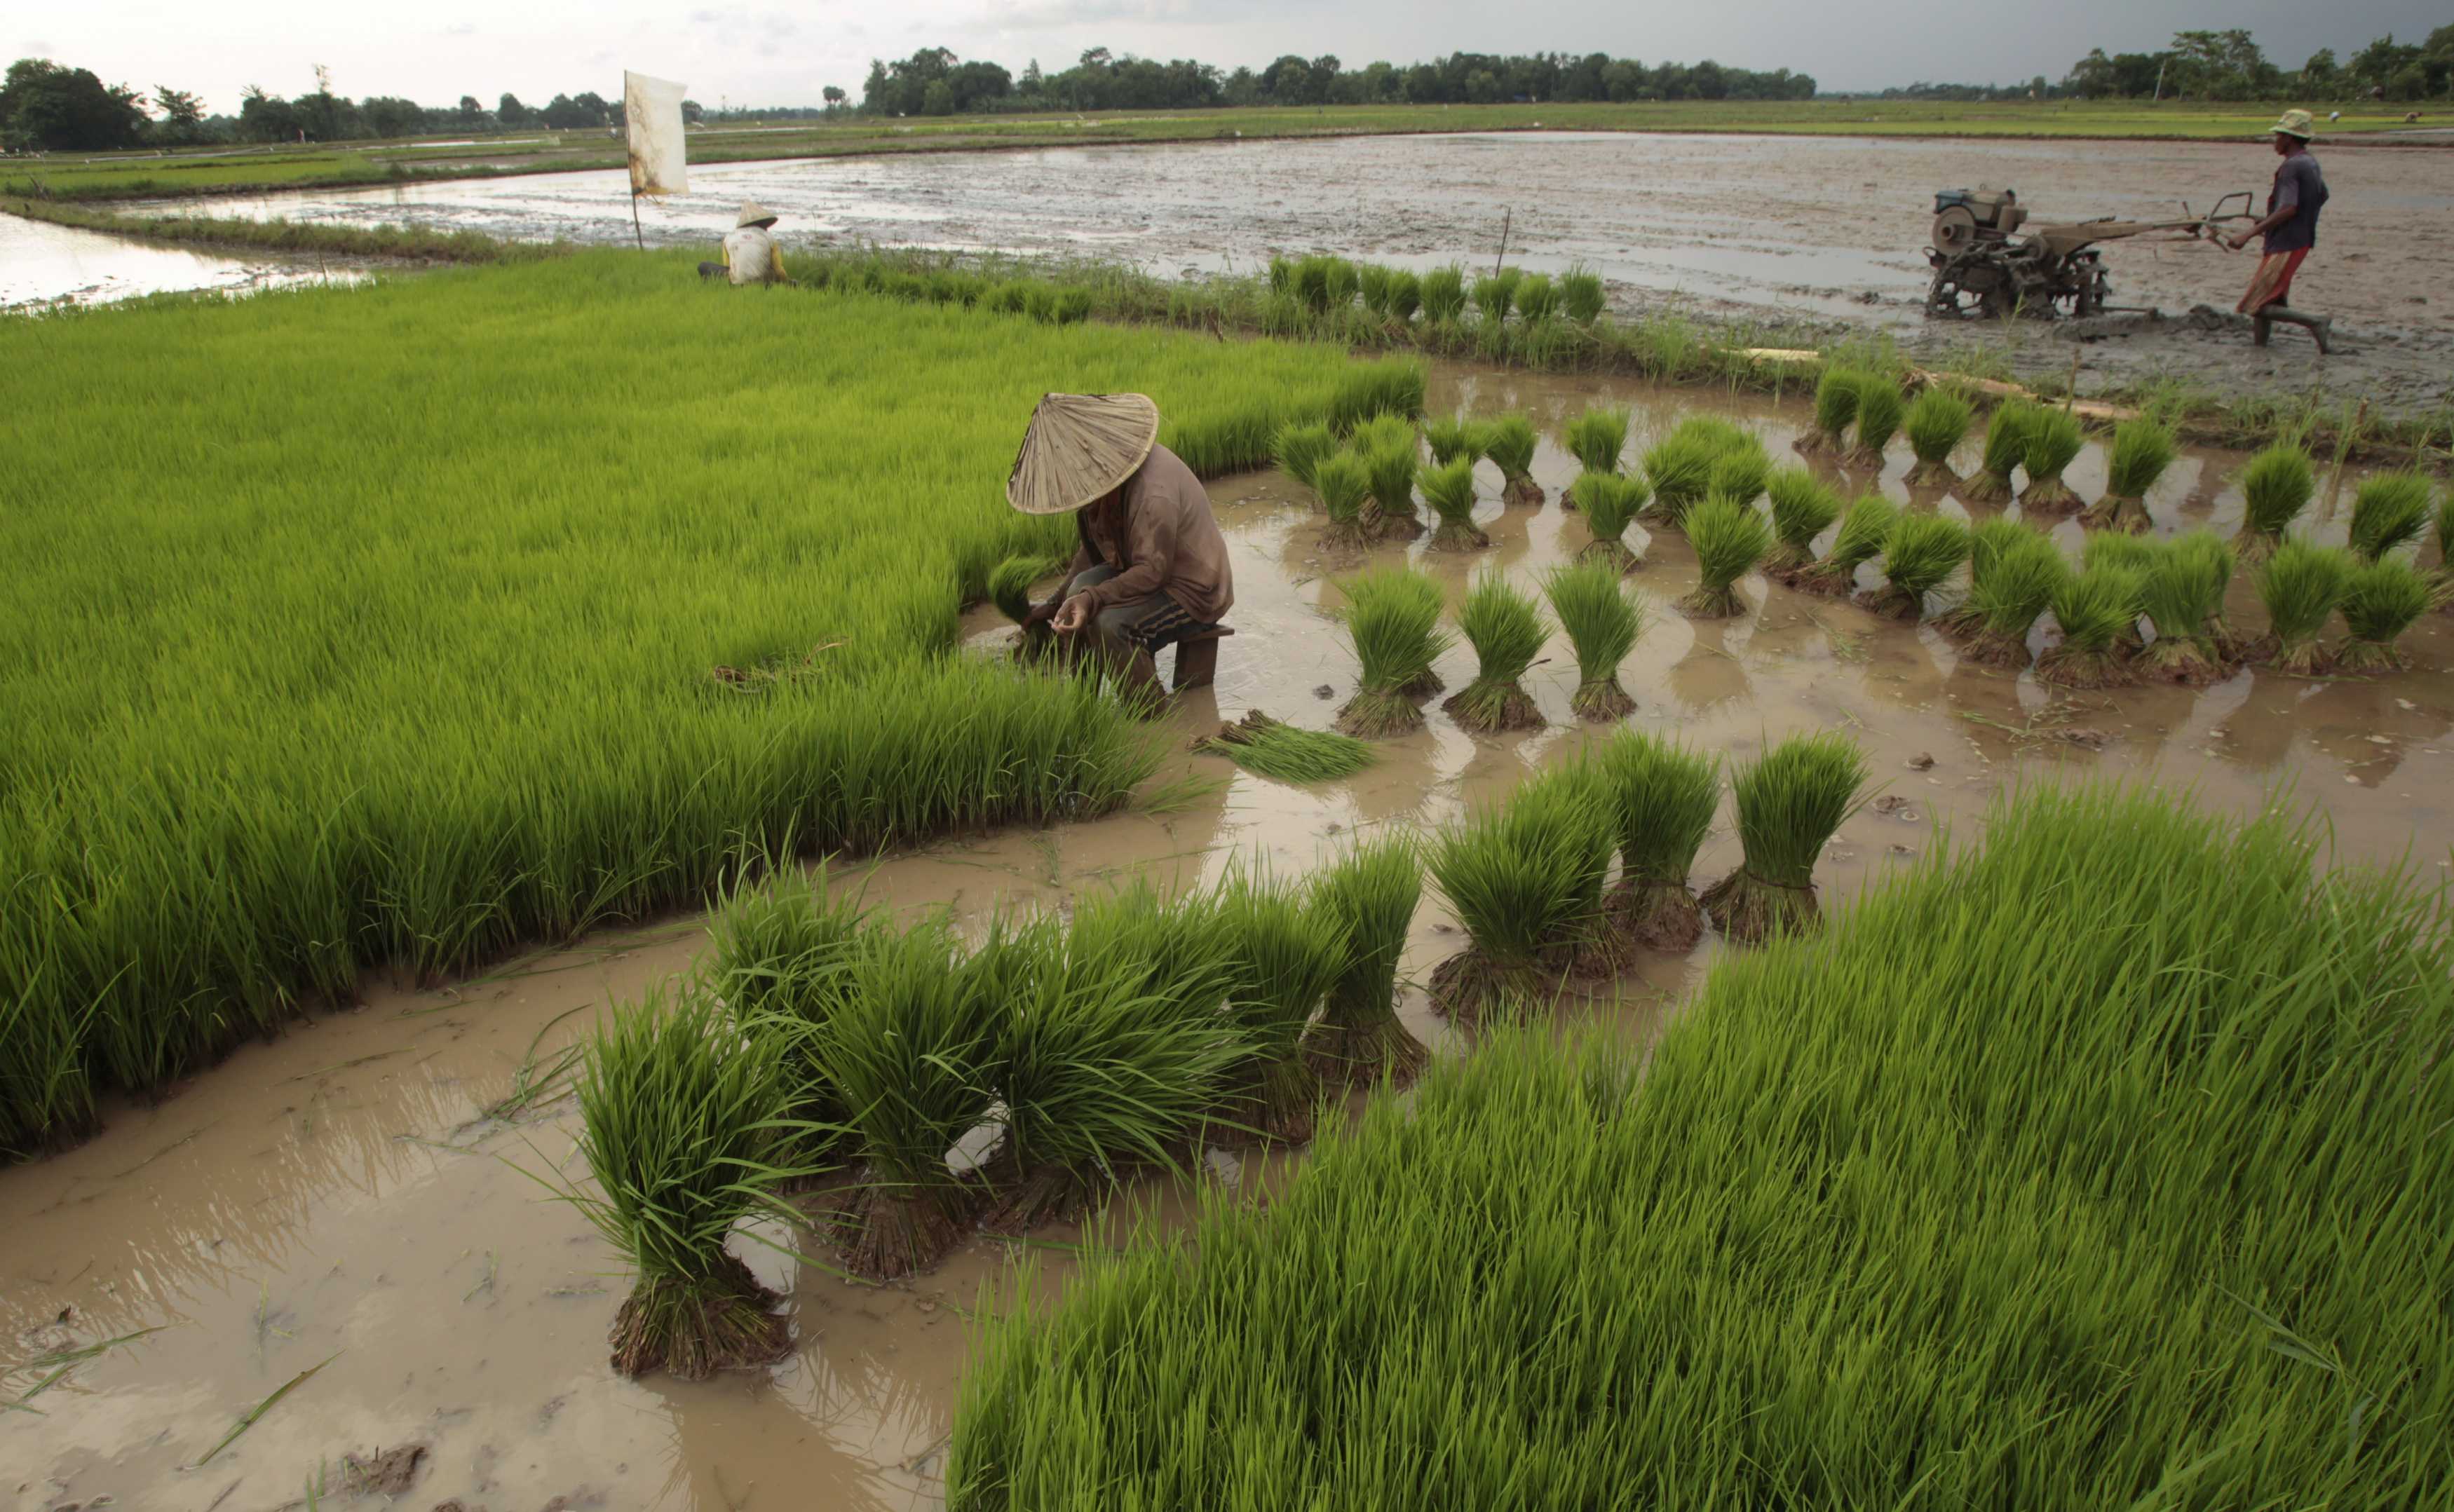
x=2290 y=229
x=751 y=256
x=1151 y=568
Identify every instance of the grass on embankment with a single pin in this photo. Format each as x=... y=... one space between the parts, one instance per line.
x=375 y=625
x=2099 y=1167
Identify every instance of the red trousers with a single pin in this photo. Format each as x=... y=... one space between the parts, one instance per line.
x=2272 y=282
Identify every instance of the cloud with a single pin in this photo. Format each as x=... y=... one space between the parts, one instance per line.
x=1051 y=14
x=461 y=28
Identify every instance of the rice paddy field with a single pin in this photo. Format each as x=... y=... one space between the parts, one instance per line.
x=1884 y=1024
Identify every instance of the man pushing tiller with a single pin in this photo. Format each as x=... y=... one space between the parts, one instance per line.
x=2290 y=229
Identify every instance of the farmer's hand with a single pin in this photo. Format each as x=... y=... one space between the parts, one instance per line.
x=1041 y=613
x=1074 y=615
x=2237 y=242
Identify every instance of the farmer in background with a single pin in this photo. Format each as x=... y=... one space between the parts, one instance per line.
x=751 y=256
x=2290 y=229
x=1151 y=568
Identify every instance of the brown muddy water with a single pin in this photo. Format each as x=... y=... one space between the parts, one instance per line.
x=342 y=1196
x=45 y=266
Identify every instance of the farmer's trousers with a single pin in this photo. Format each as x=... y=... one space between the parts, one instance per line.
x=1142 y=624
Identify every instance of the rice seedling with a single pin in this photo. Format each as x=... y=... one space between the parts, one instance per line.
x=2053 y=442
x=1595 y=438
x=1369 y=391
x=1791 y=800
x=1803 y=508
x=2023 y=580
x=1582 y=293
x=1836 y=410
x=1286 y=955
x=1282 y=274
x=1393 y=617
x=1509 y=444
x=1730 y=538
x=1742 y=471
x=1457 y=437
x=1865 y=525
x=1373 y=281
x=1311 y=283
x=2302 y=585
x=1679 y=467
x=1380 y=432
x=2181 y=591
x=1405 y=296
x=1290 y=753
x=779 y=962
x=1368 y=896
x=1662 y=798
x=1300 y=447
x=1879 y=410
x=1344 y=485
x=2275 y=486
x=2382 y=600
x=1504 y=626
x=2388 y=513
x=1524 y=877
x=2142 y=449
x=1921 y=552
x=1602 y=621
x=1345 y=282
x=2097 y=609
x=1391 y=466
x=2131 y=553
x=1537 y=298
x=2006 y=448
x=2445 y=534
x=677 y=1110
x=1609 y=501
x=1987 y=540
x=2216 y=634
x=1444 y=294
x=1449 y=490
x=1493 y=295
x=1936 y=422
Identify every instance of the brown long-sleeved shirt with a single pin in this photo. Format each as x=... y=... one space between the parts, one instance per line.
x=1160 y=537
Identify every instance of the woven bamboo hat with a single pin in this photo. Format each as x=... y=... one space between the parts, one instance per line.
x=2297 y=123
x=1078 y=446
x=754 y=213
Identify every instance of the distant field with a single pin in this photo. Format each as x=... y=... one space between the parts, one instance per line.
x=221 y=170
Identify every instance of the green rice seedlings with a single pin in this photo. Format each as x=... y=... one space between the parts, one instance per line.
x=1289 y=753
x=2216 y=632
x=677 y=1108
x=1922 y=551
x=2096 y=609
x=1987 y=540
x=1345 y=282
x=1595 y=438
x=1865 y=525
x=779 y=960
x=2018 y=585
x=1609 y=501
x=2006 y=448
x=1393 y=617
x=2181 y=592
x=1537 y=298
x=2142 y=449
x=1679 y=467
x=1368 y=896
x=1742 y=471
x=1492 y=297
x=1457 y=437
x=2390 y=512
x=2276 y=486
x=1298 y=449
x=1282 y=274
x=1836 y=410
x=2053 y=442
x=1381 y=430
x=1009 y=584
x=2302 y=585
x=1662 y=797
x=1286 y=954
x=1879 y=410
x=1803 y=508
x=1344 y=485
x=1449 y=490
x=1730 y=538
x=1391 y=468
x=1373 y=280
x=1311 y=283
x=1791 y=802
x=1936 y=422
x=1582 y=293
x=2131 y=553
x=1510 y=443
x=1444 y=294
x=1504 y=626
x=1524 y=877
x=2382 y=600
x=1405 y=296
x=1602 y=621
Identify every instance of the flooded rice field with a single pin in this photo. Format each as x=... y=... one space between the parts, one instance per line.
x=44 y=267
x=351 y=1200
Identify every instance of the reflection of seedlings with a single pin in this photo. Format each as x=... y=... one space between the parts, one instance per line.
x=1505 y=629
x=2054 y=442
x=2006 y=444
x=1449 y=490
x=2096 y=609
x=1879 y=410
x=1936 y=422
x=1370 y=896
x=2183 y=596
x=1662 y=797
x=2275 y=488
x=1510 y=445
x=1287 y=955
x=1393 y=618
x=1986 y=542
x=1860 y=540
x=1803 y=508
x=1730 y=538
x=2301 y=585
x=2023 y=580
x=1609 y=501
x=2382 y=600
x=2390 y=512
x=1836 y=407
x=1791 y=802
x=1602 y=621
x=2142 y=449
x=1525 y=879
x=1921 y=554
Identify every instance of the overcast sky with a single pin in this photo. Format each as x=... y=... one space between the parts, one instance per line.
x=783 y=54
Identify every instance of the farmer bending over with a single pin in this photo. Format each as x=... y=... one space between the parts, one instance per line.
x=751 y=256
x=1152 y=568
x=2290 y=229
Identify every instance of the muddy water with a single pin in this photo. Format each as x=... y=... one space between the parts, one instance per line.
x=343 y=1197
x=44 y=267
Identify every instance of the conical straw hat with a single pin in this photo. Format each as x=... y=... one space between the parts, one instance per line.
x=1079 y=446
x=753 y=213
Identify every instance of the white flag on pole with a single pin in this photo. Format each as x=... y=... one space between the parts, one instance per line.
x=653 y=111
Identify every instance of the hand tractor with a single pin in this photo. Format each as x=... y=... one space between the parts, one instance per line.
x=1989 y=263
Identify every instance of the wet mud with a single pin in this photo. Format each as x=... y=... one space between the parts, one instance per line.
x=354 y=1193
x=45 y=266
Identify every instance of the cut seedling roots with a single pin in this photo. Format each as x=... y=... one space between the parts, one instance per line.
x=1932 y=475
x=1489 y=708
x=1712 y=603
x=1750 y=909
x=1614 y=553
x=1986 y=487
x=2116 y=513
x=691 y=1331
x=1359 y=1057
x=887 y=1233
x=1657 y=915
x=1377 y=716
x=2048 y=499
x=1522 y=492
x=2064 y=667
x=1463 y=537
x=1602 y=702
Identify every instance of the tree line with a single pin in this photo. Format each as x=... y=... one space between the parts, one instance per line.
x=2229 y=64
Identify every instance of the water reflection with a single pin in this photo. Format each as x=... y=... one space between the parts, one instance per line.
x=47 y=267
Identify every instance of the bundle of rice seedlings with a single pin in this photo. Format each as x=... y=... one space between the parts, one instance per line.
x=1345 y=280
x=1009 y=584
x=1836 y=410
x=1936 y=421
x=1391 y=468
x=1373 y=280
x=1509 y=443
x=1791 y=802
x=1987 y=540
x=1380 y=430
x=2182 y=591
x=2096 y=609
x=1803 y=508
x=2142 y=449
x=2388 y=512
x=2445 y=532
x=1344 y=486
x=1504 y=626
x=2130 y=553
x=1742 y=471
x=677 y=1110
x=1524 y=877
x=1730 y=538
x=1298 y=449
x=778 y=964
x=1449 y=490
x=1405 y=296
x=1662 y=797
x=1492 y=297
x=1879 y=410
x=1444 y=294
x=1680 y=470
x=1595 y=438
x=2022 y=578
x=1922 y=551
x=2276 y=486
x=1310 y=285
x=1602 y=621
x=1286 y=954
x=2301 y=585
x=1581 y=291
x=1393 y=617
x=2007 y=447
x=2054 y=440
x=1609 y=501
x=1282 y=276
x=1537 y=298
x=1459 y=437
x=1290 y=753
x=2382 y=600
x=1864 y=526
x=2215 y=633
x=1369 y=898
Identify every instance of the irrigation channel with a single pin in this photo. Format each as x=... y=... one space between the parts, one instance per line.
x=345 y=1199
x=43 y=267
